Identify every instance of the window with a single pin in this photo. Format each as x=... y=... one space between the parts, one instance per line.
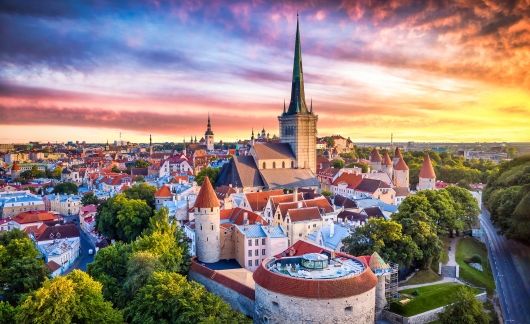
x=256 y=252
x=264 y=165
x=275 y=304
x=299 y=234
x=201 y=227
x=292 y=164
x=274 y=164
x=249 y=242
x=249 y=253
x=262 y=251
x=314 y=225
x=348 y=309
x=257 y=242
x=308 y=226
x=256 y=263
x=283 y=165
x=250 y=263
x=212 y=227
x=262 y=241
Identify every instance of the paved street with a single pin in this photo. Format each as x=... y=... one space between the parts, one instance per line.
x=510 y=264
x=84 y=258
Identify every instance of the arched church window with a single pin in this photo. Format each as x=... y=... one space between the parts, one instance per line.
x=292 y=164
x=264 y=165
x=274 y=165
x=283 y=164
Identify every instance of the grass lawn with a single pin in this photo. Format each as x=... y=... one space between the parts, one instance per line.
x=423 y=276
x=466 y=248
x=429 y=297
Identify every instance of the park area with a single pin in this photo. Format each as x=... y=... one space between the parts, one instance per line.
x=418 y=300
x=470 y=251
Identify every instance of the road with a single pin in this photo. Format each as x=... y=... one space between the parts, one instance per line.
x=510 y=263
x=84 y=258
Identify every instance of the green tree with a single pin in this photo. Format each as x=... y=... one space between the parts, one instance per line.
x=211 y=173
x=75 y=298
x=169 y=298
x=422 y=230
x=33 y=173
x=7 y=313
x=337 y=163
x=65 y=188
x=465 y=205
x=22 y=269
x=384 y=237
x=123 y=219
x=140 y=267
x=110 y=268
x=142 y=191
x=89 y=199
x=364 y=167
x=465 y=310
x=326 y=193
x=141 y=164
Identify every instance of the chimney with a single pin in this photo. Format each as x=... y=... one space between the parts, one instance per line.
x=295 y=193
x=245 y=218
x=300 y=204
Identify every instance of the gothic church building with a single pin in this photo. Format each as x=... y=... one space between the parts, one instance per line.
x=291 y=163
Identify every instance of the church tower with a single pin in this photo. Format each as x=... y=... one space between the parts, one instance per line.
x=208 y=136
x=298 y=125
x=207 y=224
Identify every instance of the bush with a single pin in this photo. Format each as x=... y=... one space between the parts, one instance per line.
x=474 y=259
x=415 y=293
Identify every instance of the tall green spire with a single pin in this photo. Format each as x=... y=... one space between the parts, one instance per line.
x=297 y=104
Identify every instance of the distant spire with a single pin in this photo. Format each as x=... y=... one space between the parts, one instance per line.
x=311 y=108
x=209 y=127
x=150 y=140
x=297 y=104
x=252 y=137
x=284 y=106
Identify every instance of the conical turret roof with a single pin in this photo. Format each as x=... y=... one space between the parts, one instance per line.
x=375 y=156
x=206 y=197
x=427 y=171
x=386 y=159
x=377 y=262
x=397 y=153
x=401 y=165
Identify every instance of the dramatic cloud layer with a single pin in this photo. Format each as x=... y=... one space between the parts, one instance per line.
x=424 y=70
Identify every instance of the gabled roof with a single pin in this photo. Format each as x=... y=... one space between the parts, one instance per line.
x=206 y=197
x=224 y=191
x=258 y=200
x=58 y=232
x=35 y=216
x=373 y=212
x=304 y=214
x=352 y=180
x=163 y=192
x=427 y=171
x=371 y=185
x=345 y=202
x=237 y=216
x=289 y=178
x=352 y=216
x=273 y=151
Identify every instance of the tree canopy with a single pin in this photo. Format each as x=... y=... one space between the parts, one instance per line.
x=122 y=218
x=169 y=298
x=507 y=197
x=74 y=298
x=211 y=173
x=65 y=188
x=141 y=164
x=22 y=268
x=386 y=238
x=89 y=199
x=142 y=191
x=466 y=309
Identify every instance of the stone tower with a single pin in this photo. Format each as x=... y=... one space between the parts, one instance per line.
x=208 y=136
x=207 y=223
x=386 y=165
x=401 y=174
x=397 y=156
x=298 y=124
x=375 y=160
x=427 y=175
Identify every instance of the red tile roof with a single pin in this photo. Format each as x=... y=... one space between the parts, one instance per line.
x=57 y=232
x=304 y=214
x=427 y=171
x=300 y=248
x=163 y=192
x=237 y=216
x=352 y=180
x=313 y=288
x=258 y=200
x=53 y=266
x=206 y=197
x=34 y=217
x=401 y=165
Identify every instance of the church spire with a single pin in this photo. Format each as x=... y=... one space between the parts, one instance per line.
x=209 y=127
x=297 y=104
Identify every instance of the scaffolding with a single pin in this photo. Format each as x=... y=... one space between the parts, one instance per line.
x=391 y=281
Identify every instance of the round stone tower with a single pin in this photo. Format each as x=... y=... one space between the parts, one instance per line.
x=427 y=178
x=401 y=174
x=207 y=224
x=381 y=270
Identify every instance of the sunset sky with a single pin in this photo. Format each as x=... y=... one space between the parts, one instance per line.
x=424 y=70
